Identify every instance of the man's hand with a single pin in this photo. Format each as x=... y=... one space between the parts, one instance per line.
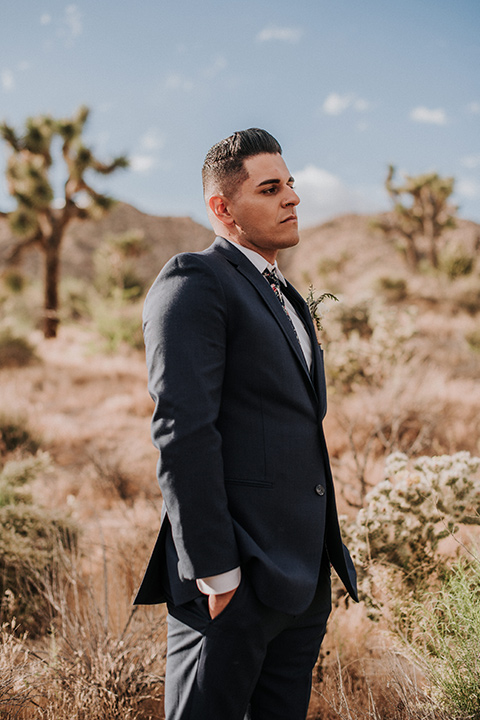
x=217 y=603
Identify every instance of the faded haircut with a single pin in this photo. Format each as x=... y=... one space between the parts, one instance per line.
x=223 y=170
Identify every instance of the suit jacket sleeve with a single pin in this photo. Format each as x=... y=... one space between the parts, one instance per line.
x=185 y=336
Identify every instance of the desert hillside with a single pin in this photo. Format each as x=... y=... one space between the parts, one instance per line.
x=162 y=238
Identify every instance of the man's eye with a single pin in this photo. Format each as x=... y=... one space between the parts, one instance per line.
x=270 y=191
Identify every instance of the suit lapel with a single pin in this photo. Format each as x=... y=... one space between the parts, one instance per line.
x=245 y=267
x=317 y=370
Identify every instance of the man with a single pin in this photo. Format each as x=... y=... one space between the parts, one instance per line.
x=249 y=526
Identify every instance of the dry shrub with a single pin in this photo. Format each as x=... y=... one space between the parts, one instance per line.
x=85 y=670
x=360 y=676
x=30 y=540
x=95 y=666
x=93 y=674
x=393 y=289
x=15 y=434
x=113 y=479
x=456 y=261
x=15 y=351
x=17 y=678
x=464 y=294
x=473 y=340
x=13 y=280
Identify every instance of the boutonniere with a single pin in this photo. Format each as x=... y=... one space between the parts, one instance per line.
x=313 y=301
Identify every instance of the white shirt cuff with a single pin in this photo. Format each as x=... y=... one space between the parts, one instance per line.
x=217 y=584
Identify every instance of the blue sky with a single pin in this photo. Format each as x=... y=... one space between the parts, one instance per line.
x=346 y=87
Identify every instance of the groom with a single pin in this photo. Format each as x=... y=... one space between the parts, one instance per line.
x=249 y=523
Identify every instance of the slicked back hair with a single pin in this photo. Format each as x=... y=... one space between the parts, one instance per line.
x=223 y=170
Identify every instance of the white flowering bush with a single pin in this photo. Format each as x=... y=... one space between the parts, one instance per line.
x=419 y=503
x=364 y=350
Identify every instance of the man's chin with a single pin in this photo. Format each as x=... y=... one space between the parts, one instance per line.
x=292 y=240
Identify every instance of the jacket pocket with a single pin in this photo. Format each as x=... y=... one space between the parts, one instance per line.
x=251 y=482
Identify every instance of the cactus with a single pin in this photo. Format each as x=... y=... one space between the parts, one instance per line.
x=425 y=219
x=37 y=221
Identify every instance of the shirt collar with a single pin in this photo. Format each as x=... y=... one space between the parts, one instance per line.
x=258 y=260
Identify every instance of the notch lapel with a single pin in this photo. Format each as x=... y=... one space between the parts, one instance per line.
x=247 y=269
x=317 y=369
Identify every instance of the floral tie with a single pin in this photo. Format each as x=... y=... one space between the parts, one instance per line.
x=272 y=278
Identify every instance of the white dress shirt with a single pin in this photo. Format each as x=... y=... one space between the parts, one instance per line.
x=230 y=580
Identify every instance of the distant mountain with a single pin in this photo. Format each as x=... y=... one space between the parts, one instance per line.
x=344 y=255
x=347 y=254
x=164 y=237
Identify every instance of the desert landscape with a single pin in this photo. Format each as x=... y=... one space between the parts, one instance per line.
x=402 y=350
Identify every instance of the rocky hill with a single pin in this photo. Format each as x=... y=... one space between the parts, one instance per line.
x=344 y=255
x=163 y=237
x=351 y=255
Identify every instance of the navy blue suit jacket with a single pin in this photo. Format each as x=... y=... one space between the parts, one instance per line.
x=243 y=466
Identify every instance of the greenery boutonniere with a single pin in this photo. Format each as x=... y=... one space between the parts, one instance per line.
x=313 y=302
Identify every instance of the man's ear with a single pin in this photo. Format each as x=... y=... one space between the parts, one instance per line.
x=218 y=205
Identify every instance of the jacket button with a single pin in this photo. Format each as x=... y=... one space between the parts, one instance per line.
x=319 y=489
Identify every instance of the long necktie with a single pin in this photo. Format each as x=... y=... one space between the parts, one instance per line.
x=272 y=277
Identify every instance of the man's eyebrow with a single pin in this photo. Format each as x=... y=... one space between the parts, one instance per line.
x=275 y=181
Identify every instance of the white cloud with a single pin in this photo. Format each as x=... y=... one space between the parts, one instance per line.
x=284 y=34
x=142 y=163
x=7 y=80
x=175 y=81
x=216 y=67
x=45 y=19
x=73 y=20
x=361 y=105
x=467 y=188
x=474 y=108
x=152 y=140
x=324 y=195
x=70 y=26
x=336 y=104
x=471 y=161
x=423 y=114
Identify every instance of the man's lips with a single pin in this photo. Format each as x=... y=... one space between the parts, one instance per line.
x=290 y=218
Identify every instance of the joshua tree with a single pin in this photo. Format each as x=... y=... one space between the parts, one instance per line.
x=424 y=219
x=37 y=220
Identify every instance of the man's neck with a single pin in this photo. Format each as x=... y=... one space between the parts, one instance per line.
x=270 y=256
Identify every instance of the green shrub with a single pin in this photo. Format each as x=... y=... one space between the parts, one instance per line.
x=355 y=318
x=365 y=342
x=15 y=351
x=446 y=642
x=14 y=281
x=115 y=264
x=473 y=339
x=469 y=300
x=16 y=435
x=119 y=321
x=32 y=542
x=455 y=262
x=393 y=289
x=75 y=294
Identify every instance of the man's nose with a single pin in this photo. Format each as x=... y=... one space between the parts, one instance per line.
x=291 y=197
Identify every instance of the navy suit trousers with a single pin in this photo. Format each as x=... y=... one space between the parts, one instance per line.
x=250 y=663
